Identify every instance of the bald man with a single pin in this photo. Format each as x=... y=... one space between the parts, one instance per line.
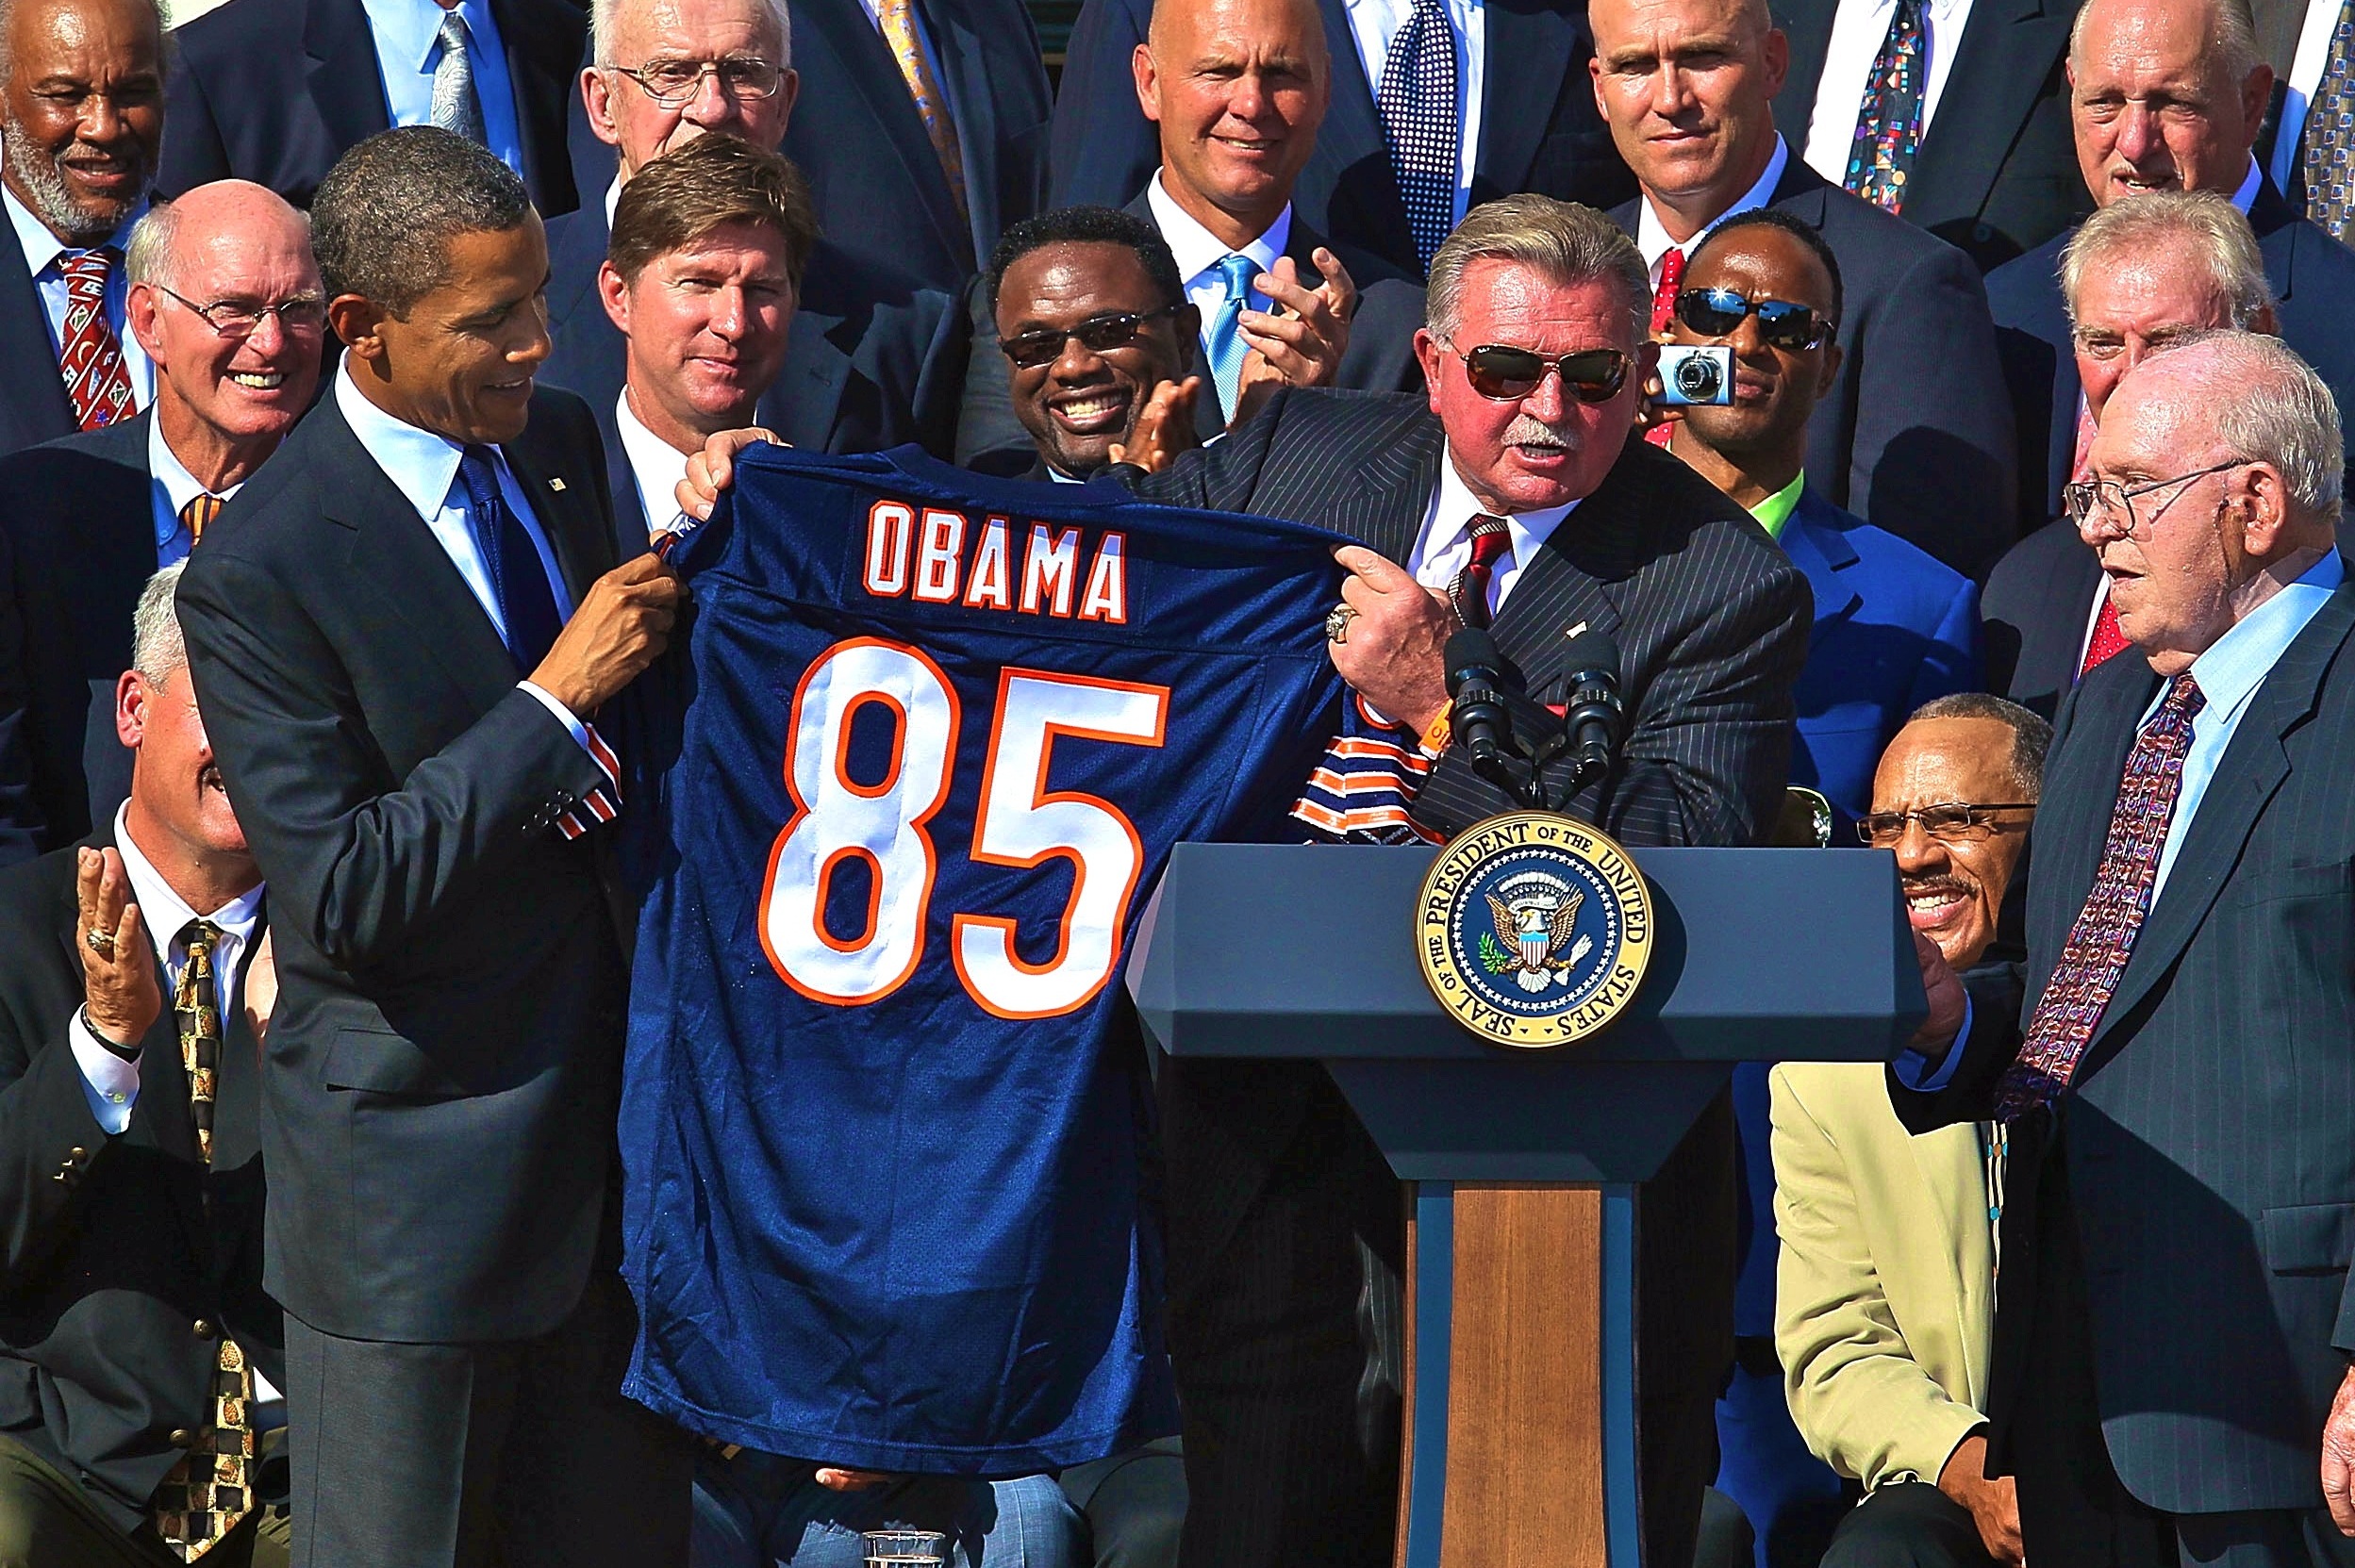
x=224 y=299
x=2164 y=95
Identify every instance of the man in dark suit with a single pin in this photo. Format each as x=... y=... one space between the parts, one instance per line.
x=923 y=192
x=447 y=1059
x=1892 y=629
x=2197 y=55
x=130 y=1117
x=2141 y=273
x=1913 y=435
x=73 y=183
x=225 y=303
x=2172 y=1064
x=873 y=358
x=246 y=103
x=1530 y=125
x=1992 y=169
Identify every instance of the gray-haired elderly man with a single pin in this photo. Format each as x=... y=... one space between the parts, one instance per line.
x=2141 y=273
x=138 y=1351
x=2176 y=1060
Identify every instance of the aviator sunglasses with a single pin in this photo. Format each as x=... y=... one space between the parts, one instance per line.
x=1098 y=335
x=1504 y=374
x=1781 y=323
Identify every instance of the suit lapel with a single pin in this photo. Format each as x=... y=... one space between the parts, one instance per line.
x=1821 y=554
x=1385 y=509
x=579 y=251
x=1563 y=588
x=806 y=399
x=346 y=87
x=2250 y=771
x=958 y=51
x=567 y=511
x=1539 y=40
x=25 y=349
x=875 y=80
x=538 y=76
x=2001 y=66
x=1807 y=24
x=2093 y=734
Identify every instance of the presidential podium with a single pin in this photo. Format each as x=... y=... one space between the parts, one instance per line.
x=1522 y=1165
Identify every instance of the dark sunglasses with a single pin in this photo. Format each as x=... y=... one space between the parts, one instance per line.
x=1782 y=324
x=1508 y=375
x=1098 y=335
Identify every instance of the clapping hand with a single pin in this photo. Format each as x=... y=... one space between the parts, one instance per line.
x=1163 y=427
x=121 y=995
x=2338 y=1456
x=1302 y=343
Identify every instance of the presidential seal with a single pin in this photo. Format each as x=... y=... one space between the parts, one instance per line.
x=1533 y=929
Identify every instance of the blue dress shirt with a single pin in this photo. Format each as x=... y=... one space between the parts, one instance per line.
x=408 y=46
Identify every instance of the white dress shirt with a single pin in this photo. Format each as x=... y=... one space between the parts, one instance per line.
x=1651 y=236
x=1198 y=252
x=173 y=488
x=423 y=467
x=1444 y=546
x=407 y=35
x=657 y=466
x=43 y=253
x=1858 y=28
x=1374 y=22
x=2313 y=53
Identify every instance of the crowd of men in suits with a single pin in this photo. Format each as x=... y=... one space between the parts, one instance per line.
x=349 y=385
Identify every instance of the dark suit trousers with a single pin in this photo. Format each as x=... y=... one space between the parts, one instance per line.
x=1908 y=1524
x=47 y=1521
x=2073 y=1507
x=521 y=1453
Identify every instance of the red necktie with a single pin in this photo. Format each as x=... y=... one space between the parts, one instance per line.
x=1469 y=592
x=2109 y=638
x=92 y=359
x=2102 y=939
x=1663 y=312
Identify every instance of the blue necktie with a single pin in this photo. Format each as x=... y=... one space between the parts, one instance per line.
x=1224 y=342
x=1419 y=119
x=527 y=603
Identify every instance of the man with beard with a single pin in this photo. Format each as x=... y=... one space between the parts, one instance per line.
x=81 y=115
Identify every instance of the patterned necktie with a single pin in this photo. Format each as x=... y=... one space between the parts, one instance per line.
x=205 y=1491
x=1468 y=591
x=456 y=106
x=2329 y=139
x=518 y=580
x=1888 y=129
x=1223 y=344
x=897 y=18
x=1419 y=120
x=2103 y=938
x=91 y=359
x=198 y=515
x=2109 y=639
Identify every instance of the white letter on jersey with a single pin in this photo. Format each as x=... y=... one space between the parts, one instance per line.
x=836 y=819
x=1107 y=583
x=1021 y=824
x=1051 y=568
x=991 y=585
x=942 y=541
x=888 y=526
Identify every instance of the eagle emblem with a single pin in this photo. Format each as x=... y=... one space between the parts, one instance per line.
x=1534 y=924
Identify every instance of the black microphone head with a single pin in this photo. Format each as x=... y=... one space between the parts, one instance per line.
x=1593 y=652
x=1471 y=649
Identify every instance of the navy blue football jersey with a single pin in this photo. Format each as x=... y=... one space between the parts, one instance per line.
x=885 y=1117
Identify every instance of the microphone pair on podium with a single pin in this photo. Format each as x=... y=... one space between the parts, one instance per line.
x=1478 y=676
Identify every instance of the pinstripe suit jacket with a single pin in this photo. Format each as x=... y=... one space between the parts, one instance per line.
x=1711 y=619
x=2211 y=1135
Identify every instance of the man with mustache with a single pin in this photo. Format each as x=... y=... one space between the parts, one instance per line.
x=225 y=303
x=1885 y=1290
x=81 y=115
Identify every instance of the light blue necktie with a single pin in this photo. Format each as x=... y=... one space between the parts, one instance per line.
x=1224 y=342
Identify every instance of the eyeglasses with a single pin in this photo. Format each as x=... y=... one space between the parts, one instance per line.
x=237 y=319
x=2110 y=500
x=1781 y=323
x=1949 y=821
x=1503 y=374
x=671 y=82
x=1097 y=334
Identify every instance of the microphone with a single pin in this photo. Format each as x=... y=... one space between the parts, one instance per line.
x=1478 y=716
x=1593 y=717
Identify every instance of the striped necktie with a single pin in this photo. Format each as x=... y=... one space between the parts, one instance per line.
x=1889 y=129
x=2329 y=139
x=1420 y=120
x=198 y=515
x=207 y=1490
x=2102 y=939
x=1223 y=344
x=1468 y=591
x=90 y=358
x=457 y=107
x=897 y=19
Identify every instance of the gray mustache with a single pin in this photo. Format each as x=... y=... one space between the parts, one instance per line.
x=1528 y=430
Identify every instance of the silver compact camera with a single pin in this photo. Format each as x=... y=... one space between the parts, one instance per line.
x=1696 y=373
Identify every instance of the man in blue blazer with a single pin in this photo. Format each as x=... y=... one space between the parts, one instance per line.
x=2176 y=1060
x=874 y=358
x=1533 y=121
x=2218 y=90
x=1914 y=434
x=881 y=187
x=1893 y=630
x=276 y=91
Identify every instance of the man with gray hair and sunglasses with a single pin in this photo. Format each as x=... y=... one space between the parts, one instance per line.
x=1512 y=495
